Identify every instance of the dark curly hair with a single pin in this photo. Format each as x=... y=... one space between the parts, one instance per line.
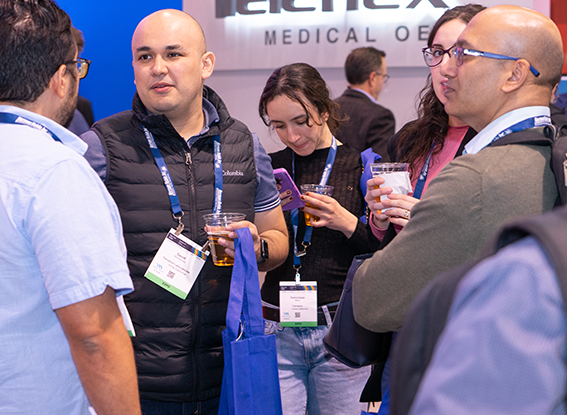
x=299 y=82
x=416 y=138
x=36 y=40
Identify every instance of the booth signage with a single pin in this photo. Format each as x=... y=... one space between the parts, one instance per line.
x=266 y=34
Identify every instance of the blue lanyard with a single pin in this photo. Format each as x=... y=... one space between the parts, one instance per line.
x=7 y=118
x=533 y=122
x=423 y=175
x=295 y=212
x=173 y=199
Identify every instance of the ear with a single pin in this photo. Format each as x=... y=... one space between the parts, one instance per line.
x=58 y=83
x=372 y=79
x=324 y=117
x=518 y=76
x=208 y=62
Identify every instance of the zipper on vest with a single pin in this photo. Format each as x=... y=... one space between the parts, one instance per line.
x=194 y=219
x=194 y=232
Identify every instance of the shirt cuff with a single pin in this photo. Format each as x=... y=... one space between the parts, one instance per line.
x=378 y=233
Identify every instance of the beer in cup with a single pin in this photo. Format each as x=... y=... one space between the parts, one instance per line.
x=215 y=225
x=315 y=188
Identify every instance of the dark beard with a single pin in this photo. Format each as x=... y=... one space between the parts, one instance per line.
x=67 y=111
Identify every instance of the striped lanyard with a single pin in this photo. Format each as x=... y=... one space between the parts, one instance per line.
x=7 y=118
x=295 y=212
x=173 y=199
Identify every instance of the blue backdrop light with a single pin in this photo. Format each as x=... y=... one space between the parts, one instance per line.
x=108 y=26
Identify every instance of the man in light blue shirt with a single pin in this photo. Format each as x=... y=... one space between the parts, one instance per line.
x=62 y=263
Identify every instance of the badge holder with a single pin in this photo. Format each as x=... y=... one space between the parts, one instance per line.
x=179 y=260
x=177 y=264
x=298 y=304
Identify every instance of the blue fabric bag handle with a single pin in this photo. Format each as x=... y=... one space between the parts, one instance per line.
x=250 y=383
x=245 y=297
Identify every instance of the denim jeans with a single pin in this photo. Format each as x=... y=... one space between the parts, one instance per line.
x=209 y=407
x=311 y=380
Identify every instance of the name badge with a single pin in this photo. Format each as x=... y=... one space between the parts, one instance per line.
x=177 y=264
x=298 y=304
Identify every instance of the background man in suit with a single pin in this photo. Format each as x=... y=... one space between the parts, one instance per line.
x=369 y=124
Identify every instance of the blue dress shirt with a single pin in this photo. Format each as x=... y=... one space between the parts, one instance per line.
x=61 y=240
x=503 y=350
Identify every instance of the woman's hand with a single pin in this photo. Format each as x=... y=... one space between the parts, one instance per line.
x=330 y=213
x=373 y=193
x=402 y=206
x=285 y=197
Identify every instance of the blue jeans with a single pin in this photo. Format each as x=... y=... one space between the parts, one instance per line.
x=311 y=380
x=209 y=407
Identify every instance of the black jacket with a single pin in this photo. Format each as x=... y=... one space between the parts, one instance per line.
x=178 y=345
x=369 y=124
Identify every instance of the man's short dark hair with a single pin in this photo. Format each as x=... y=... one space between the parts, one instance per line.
x=79 y=39
x=361 y=62
x=35 y=40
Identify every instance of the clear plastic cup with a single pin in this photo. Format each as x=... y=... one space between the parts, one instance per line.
x=215 y=226
x=315 y=188
x=395 y=175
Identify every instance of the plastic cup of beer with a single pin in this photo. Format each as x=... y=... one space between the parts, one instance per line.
x=314 y=188
x=395 y=175
x=215 y=225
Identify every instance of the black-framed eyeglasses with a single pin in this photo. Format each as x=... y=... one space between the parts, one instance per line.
x=459 y=53
x=385 y=77
x=434 y=56
x=82 y=66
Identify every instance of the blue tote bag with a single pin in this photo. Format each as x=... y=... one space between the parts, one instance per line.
x=250 y=382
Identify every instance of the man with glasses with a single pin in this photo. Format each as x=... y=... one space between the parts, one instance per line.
x=369 y=124
x=62 y=263
x=491 y=337
x=498 y=79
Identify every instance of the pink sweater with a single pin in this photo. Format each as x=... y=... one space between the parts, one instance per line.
x=453 y=140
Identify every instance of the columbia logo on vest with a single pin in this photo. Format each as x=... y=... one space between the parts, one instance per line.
x=232 y=173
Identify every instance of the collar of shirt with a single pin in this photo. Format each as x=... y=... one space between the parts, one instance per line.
x=365 y=93
x=487 y=134
x=67 y=137
x=211 y=117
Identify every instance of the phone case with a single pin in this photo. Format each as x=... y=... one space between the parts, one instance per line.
x=284 y=180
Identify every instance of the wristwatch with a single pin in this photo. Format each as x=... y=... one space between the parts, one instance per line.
x=264 y=253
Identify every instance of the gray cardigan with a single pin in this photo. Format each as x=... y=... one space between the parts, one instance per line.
x=468 y=201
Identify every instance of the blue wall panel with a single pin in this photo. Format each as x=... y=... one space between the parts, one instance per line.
x=108 y=27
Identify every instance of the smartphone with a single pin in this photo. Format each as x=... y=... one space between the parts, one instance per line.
x=284 y=182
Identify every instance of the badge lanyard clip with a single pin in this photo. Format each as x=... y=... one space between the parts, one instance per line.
x=180 y=225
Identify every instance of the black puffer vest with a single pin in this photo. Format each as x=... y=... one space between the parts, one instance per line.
x=178 y=345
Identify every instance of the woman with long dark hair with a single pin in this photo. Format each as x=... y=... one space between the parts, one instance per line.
x=296 y=103
x=434 y=138
x=427 y=144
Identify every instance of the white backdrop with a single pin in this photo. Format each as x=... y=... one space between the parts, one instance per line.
x=246 y=55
